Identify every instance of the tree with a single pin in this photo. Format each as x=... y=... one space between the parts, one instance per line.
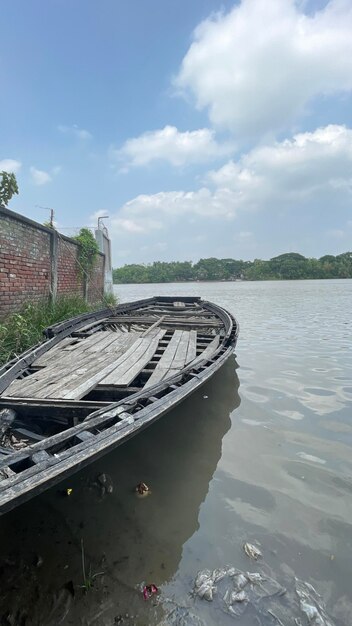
x=8 y=187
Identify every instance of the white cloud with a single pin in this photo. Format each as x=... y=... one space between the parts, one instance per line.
x=135 y=225
x=10 y=165
x=164 y=204
x=256 y=68
x=39 y=177
x=272 y=178
x=294 y=168
x=74 y=130
x=171 y=145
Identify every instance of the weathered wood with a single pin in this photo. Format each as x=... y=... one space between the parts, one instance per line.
x=87 y=451
x=52 y=354
x=209 y=351
x=79 y=384
x=49 y=382
x=192 y=346
x=78 y=445
x=157 y=323
x=51 y=409
x=173 y=359
x=108 y=415
x=133 y=361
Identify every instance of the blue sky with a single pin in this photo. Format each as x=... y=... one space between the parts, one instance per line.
x=203 y=128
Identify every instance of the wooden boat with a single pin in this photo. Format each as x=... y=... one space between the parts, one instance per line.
x=99 y=379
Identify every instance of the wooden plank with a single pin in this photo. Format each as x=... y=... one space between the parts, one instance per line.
x=108 y=342
x=157 y=323
x=44 y=383
x=192 y=347
x=209 y=351
x=181 y=352
x=91 y=326
x=117 y=412
x=87 y=342
x=165 y=364
x=74 y=387
x=53 y=352
x=134 y=360
x=54 y=371
x=79 y=388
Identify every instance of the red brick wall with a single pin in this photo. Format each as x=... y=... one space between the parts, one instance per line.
x=25 y=264
x=69 y=280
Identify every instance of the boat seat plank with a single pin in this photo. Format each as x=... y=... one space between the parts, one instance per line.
x=51 y=381
x=173 y=359
x=73 y=344
x=78 y=384
x=192 y=347
x=134 y=360
x=52 y=354
x=85 y=343
x=54 y=371
x=76 y=388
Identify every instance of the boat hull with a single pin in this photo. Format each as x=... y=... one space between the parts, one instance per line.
x=39 y=465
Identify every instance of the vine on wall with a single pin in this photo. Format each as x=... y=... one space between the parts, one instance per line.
x=88 y=250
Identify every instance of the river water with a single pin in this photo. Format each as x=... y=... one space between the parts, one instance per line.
x=260 y=454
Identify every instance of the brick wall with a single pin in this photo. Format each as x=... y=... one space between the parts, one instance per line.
x=28 y=271
x=69 y=279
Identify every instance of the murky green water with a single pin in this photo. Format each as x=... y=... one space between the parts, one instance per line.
x=262 y=453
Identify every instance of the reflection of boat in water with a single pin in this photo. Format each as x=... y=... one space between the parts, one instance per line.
x=98 y=380
x=141 y=538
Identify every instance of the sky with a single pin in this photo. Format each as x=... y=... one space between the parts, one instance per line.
x=201 y=128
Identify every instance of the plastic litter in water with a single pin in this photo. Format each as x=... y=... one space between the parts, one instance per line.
x=252 y=551
x=142 y=489
x=234 y=590
x=311 y=604
x=149 y=591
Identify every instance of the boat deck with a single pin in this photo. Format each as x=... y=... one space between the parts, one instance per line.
x=107 y=357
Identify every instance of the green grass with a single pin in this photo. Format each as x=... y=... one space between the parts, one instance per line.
x=24 y=329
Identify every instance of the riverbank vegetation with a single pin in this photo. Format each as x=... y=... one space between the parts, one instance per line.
x=24 y=329
x=290 y=266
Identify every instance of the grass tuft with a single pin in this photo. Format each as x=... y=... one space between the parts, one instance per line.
x=24 y=329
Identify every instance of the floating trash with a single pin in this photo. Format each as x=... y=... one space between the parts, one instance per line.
x=7 y=417
x=142 y=489
x=311 y=604
x=252 y=551
x=149 y=591
x=105 y=483
x=233 y=591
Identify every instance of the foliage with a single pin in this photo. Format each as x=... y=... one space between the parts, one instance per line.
x=88 y=250
x=8 y=187
x=21 y=330
x=110 y=300
x=290 y=266
x=88 y=578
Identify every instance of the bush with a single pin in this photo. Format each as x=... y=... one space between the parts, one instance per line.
x=21 y=330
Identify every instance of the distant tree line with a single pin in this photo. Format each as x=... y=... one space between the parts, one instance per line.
x=290 y=266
